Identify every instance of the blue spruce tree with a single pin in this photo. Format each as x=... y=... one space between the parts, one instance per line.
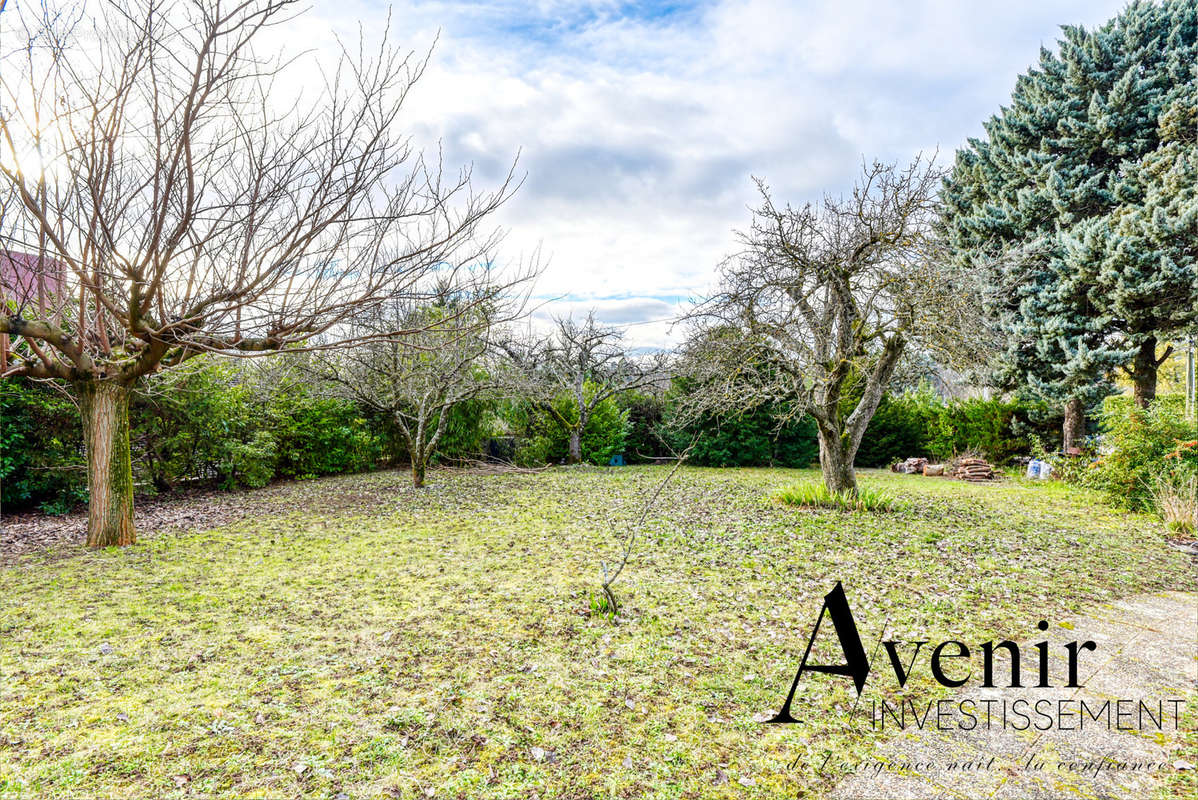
x=1080 y=205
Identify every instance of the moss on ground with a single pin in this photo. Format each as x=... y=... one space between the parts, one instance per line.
x=375 y=641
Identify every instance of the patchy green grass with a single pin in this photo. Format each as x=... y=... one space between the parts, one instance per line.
x=814 y=494
x=383 y=642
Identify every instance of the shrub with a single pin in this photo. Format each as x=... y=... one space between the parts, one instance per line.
x=320 y=435
x=898 y=430
x=605 y=433
x=470 y=423
x=241 y=424
x=920 y=423
x=533 y=452
x=915 y=423
x=748 y=439
x=742 y=440
x=1175 y=496
x=983 y=425
x=545 y=440
x=1140 y=446
x=42 y=463
x=531 y=431
x=796 y=444
x=1121 y=405
x=251 y=463
x=193 y=423
x=645 y=416
x=816 y=495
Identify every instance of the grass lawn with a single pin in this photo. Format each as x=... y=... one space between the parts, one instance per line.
x=357 y=637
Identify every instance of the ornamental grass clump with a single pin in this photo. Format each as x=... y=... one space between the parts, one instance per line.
x=817 y=495
x=1175 y=495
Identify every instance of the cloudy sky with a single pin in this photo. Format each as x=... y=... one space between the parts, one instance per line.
x=639 y=125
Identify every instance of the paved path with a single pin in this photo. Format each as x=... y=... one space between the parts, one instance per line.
x=1147 y=648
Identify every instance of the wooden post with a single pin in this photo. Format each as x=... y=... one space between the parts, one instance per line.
x=1191 y=380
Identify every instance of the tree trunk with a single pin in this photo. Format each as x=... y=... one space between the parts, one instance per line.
x=419 y=466
x=836 y=463
x=575 y=456
x=1075 y=424
x=1143 y=373
x=105 y=409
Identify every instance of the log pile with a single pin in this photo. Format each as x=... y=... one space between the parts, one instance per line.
x=912 y=466
x=966 y=468
x=974 y=469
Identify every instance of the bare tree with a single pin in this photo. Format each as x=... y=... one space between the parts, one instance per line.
x=820 y=303
x=194 y=202
x=418 y=380
x=586 y=361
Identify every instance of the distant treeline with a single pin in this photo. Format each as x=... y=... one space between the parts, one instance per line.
x=229 y=423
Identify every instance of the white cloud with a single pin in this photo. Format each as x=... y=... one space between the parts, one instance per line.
x=639 y=127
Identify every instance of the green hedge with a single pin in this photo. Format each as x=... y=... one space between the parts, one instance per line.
x=543 y=440
x=920 y=423
x=749 y=439
x=898 y=430
x=917 y=423
x=320 y=435
x=234 y=424
x=230 y=423
x=645 y=416
x=213 y=421
x=41 y=448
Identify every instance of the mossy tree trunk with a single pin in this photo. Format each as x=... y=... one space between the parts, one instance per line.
x=419 y=468
x=839 y=436
x=836 y=462
x=574 y=455
x=104 y=406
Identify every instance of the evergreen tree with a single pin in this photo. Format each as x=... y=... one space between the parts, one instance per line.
x=1141 y=259
x=1080 y=203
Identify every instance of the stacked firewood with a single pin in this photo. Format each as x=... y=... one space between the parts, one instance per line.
x=974 y=469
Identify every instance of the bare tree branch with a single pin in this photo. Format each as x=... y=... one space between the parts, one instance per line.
x=819 y=304
x=586 y=361
x=165 y=195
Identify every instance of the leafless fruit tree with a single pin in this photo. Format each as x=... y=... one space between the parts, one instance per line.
x=177 y=194
x=419 y=379
x=586 y=361
x=821 y=301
